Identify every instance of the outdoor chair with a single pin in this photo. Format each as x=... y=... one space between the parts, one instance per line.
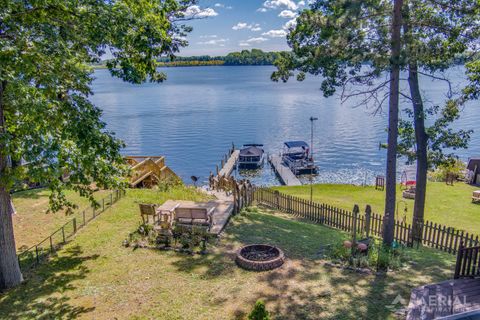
x=147 y=210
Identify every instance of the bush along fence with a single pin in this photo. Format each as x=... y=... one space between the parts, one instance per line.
x=36 y=254
x=368 y=224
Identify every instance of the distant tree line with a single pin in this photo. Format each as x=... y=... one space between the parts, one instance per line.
x=252 y=57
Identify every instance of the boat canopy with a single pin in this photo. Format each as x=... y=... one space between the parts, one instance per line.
x=296 y=144
x=251 y=151
x=253 y=145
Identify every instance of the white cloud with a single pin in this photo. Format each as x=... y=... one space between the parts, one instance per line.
x=290 y=24
x=275 y=33
x=214 y=42
x=301 y=4
x=240 y=26
x=244 y=25
x=244 y=44
x=257 y=40
x=287 y=14
x=221 y=5
x=262 y=10
x=275 y=4
x=197 y=12
x=208 y=36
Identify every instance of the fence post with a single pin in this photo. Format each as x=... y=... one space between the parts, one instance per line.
x=368 y=215
x=111 y=199
x=277 y=199
x=458 y=264
x=83 y=214
x=51 y=245
x=103 y=204
x=356 y=210
x=74 y=225
x=36 y=252
x=63 y=233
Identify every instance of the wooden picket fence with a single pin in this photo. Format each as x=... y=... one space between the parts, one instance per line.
x=468 y=262
x=434 y=235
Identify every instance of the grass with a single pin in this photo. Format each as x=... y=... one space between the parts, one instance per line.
x=94 y=277
x=448 y=205
x=33 y=223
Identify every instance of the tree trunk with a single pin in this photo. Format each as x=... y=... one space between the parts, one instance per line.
x=391 y=174
x=421 y=154
x=10 y=274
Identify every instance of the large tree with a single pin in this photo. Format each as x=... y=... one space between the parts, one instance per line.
x=46 y=120
x=435 y=33
x=354 y=45
x=432 y=36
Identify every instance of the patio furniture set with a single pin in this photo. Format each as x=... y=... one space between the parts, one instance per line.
x=172 y=219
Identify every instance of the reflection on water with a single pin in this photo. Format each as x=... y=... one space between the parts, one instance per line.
x=194 y=117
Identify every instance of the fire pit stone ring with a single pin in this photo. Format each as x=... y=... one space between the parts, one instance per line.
x=259 y=257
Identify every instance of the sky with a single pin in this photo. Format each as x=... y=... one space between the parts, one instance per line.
x=223 y=26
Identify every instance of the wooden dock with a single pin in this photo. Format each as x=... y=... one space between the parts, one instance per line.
x=283 y=172
x=230 y=164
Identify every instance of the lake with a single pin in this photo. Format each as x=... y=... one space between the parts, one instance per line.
x=195 y=115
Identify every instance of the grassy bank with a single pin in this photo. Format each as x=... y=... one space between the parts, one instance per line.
x=94 y=277
x=32 y=223
x=448 y=205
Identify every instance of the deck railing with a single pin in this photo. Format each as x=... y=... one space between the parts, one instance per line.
x=468 y=262
x=430 y=234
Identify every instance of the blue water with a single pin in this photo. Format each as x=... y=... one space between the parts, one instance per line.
x=194 y=117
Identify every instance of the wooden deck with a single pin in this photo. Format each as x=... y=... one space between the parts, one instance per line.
x=230 y=164
x=221 y=215
x=284 y=173
x=444 y=299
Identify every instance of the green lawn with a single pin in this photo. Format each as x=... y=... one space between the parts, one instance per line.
x=32 y=223
x=94 y=277
x=448 y=205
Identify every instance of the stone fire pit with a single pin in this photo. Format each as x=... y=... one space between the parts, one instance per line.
x=260 y=257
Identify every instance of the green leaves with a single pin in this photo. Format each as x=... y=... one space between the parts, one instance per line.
x=45 y=51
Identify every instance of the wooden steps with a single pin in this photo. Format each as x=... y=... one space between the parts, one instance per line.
x=150 y=170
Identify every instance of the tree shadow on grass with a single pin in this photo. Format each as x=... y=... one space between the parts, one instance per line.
x=306 y=288
x=41 y=295
x=296 y=238
x=30 y=194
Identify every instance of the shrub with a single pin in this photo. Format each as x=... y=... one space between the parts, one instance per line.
x=379 y=257
x=168 y=184
x=144 y=229
x=457 y=167
x=191 y=237
x=383 y=257
x=259 y=312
